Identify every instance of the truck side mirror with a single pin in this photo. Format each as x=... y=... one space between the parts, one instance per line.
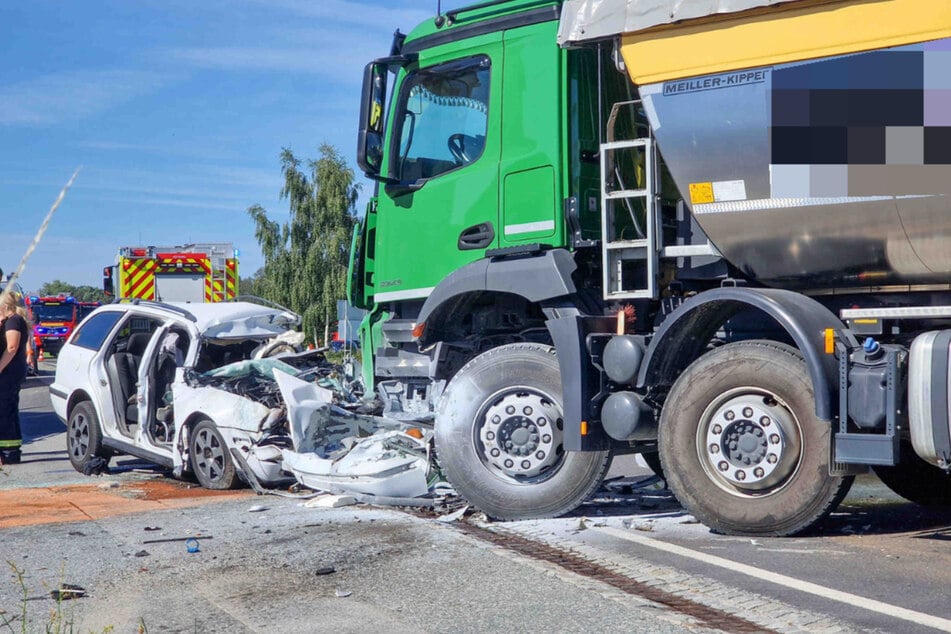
x=372 y=117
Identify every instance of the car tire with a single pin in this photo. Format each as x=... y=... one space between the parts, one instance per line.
x=211 y=461
x=499 y=430
x=84 y=436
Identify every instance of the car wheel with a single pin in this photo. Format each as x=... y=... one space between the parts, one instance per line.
x=210 y=458
x=499 y=436
x=741 y=446
x=84 y=436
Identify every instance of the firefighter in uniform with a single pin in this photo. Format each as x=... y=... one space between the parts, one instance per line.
x=14 y=338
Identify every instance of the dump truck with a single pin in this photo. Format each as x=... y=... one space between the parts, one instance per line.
x=715 y=234
x=198 y=272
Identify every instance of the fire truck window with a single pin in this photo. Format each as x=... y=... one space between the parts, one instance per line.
x=54 y=312
x=93 y=333
x=444 y=118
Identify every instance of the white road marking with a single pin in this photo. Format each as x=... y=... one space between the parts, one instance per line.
x=872 y=605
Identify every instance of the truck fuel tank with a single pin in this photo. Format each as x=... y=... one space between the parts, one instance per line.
x=929 y=408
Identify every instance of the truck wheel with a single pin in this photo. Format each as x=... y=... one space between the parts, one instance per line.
x=84 y=436
x=741 y=446
x=499 y=430
x=210 y=458
x=916 y=480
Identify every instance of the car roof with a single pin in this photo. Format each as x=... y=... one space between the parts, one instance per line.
x=226 y=320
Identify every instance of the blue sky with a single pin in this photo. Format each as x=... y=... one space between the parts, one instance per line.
x=177 y=111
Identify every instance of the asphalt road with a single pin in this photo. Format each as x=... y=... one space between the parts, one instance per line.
x=632 y=561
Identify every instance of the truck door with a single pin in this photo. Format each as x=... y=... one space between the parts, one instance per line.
x=444 y=152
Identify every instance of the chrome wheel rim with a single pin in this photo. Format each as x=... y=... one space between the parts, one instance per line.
x=749 y=442
x=519 y=435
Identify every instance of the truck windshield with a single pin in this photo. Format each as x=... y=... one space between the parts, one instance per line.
x=59 y=312
x=444 y=118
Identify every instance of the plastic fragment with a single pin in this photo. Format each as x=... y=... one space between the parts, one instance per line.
x=455 y=515
x=330 y=501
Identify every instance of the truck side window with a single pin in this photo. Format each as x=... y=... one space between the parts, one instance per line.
x=444 y=118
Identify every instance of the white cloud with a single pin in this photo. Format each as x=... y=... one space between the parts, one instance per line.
x=60 y=97
x=362 y=14
x=324 y=52
x=244 y=58
x=111 y=146
x=206 y=204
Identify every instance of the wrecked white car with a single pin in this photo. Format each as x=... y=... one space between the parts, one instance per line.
x=196 y=388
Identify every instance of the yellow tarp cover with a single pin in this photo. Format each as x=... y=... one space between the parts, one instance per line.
x=780 y=34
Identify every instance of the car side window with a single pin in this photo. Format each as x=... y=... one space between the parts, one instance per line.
x=93 y=332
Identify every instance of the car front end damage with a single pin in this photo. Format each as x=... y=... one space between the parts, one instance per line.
x=290 y=420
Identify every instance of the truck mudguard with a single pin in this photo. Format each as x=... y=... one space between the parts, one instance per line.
x=685 y=334
x=537 y=277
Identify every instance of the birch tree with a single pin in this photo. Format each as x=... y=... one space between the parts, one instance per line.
x=305 y=259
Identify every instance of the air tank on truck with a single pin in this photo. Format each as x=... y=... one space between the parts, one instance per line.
x=715 y=234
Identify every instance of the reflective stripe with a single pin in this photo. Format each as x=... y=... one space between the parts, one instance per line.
x=6 y=444
x=530 y=227
x=412 y=293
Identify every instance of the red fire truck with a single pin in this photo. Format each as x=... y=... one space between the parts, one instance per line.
x=54 y=318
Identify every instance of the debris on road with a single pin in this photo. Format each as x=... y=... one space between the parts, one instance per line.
x=454 y=516
x=67 y=591
x=174 y=539
x=328 y=501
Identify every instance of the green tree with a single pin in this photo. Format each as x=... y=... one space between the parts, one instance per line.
x=305 y=259
x=84 y=293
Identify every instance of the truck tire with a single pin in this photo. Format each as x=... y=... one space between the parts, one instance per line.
x=499 y=431
x=741 y=446
x=916 y=480
x=84 y=436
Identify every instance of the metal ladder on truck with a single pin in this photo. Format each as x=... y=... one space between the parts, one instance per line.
x=631 y=263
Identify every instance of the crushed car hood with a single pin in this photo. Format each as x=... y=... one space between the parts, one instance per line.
x=239 y=320
x=329 y=455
